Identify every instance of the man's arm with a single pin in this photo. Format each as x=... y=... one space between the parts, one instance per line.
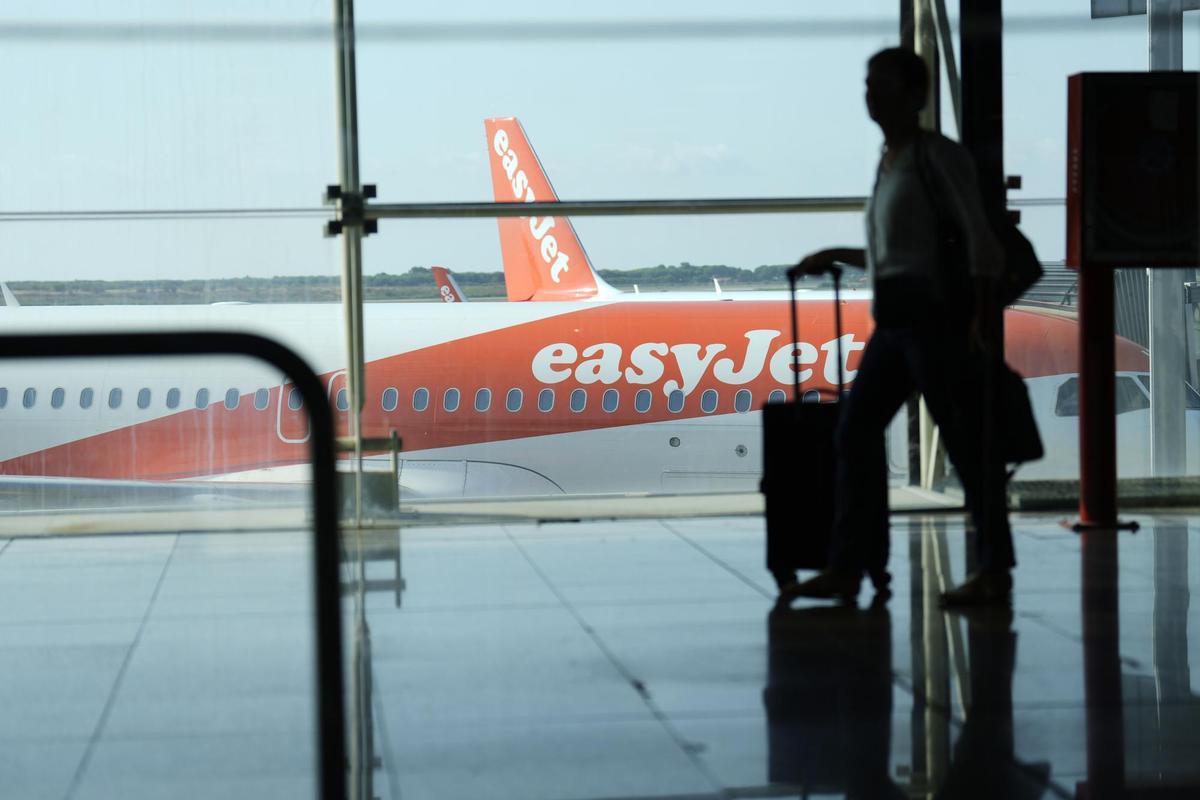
x=820 y=261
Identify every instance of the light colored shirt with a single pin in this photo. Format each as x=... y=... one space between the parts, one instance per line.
x=901 y=221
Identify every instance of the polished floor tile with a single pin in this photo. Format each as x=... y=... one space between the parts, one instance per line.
x=632 y=659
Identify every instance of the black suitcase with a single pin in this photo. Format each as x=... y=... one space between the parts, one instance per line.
x=798 y=466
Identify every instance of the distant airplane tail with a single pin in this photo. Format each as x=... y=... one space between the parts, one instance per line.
x=9 y=299
x=447 y=287
x=543 y=258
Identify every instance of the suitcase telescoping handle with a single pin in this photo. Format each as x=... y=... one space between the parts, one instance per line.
x=835 y=272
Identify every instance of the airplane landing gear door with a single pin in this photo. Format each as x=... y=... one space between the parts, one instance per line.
x=291 y=420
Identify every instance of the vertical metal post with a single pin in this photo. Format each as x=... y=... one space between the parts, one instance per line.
x=351 y=184
x=1097 y=399
x=981 y=46
x=936 y=659
x=1168 y=323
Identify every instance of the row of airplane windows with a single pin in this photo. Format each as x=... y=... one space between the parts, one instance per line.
x=577 y=400
x=514 y=400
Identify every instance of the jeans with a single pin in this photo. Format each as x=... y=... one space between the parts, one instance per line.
x=930 y=357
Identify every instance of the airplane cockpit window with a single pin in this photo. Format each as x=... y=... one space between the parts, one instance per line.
x=546 y=400
x=1067 y=402
x=642 y=401
x=391 y=398
x=86 y=396
x=202 y=398
x=114 y=398
x=57 y=397
x=610 y=400
x=708 y=401
x=1129 y=396
x=483 y=400
x=450 y=400
x=578 y=400
x=341 y=400
x=143 y=399
x=29 y=398
x=1191 y=396
x=675 y=401
x=231 y=399
x=262 y=398
x=514 y=399
x=421 y=399
x=295 y=400
x=173 y=398
x=777 y=396
x=742 y=401
x=3 y=397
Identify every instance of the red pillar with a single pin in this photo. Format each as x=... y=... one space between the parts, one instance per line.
x=1097 y=399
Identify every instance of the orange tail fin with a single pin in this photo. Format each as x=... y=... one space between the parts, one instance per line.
x=447 y=287
x=543 y=258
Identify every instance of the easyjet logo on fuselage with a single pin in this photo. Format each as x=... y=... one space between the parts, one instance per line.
x=647 y=363
x=540 y=227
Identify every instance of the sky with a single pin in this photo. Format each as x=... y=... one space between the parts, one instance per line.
x=192 y=124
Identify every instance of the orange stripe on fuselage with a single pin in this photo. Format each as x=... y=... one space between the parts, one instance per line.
x=698 y=346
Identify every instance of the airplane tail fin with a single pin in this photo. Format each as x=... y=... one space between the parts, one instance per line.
x=6 y=294
x=447 y=287
x=543 y=258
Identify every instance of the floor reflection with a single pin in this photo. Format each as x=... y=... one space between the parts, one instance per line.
x=631 y=660
x=828 y=700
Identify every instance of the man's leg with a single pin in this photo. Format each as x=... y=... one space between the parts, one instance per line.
x=955 y=406
x=860 y=529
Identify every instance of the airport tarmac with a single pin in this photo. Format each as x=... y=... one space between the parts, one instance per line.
x=621 y=659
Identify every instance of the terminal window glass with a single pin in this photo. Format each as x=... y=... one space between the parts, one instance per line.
x=777 y=396
x=202 y=398
x=578 y=400
x=261 y=398
x=30 y=398
x=742 y=401
x=420 y=399
x=391 y=399
x=295 y=400
x=675 y=401
x=450 y=400
x=143 y=398
x=514 y=399
x=642 y=400
x=342 y=400
x=3 y=397
x=86 y=396
x=708 y=401
x=483 y=399
x=114 y=398
x=172 y=398
x=57 y=397
x=610 y=401
x=546 y=400
x=231 y=399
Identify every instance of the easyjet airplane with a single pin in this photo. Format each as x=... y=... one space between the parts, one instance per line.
x=592 y=392
x=447 y=287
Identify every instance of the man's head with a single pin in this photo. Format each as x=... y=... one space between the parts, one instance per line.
x=897 y=85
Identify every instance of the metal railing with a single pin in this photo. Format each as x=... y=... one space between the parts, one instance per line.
x=331 y=722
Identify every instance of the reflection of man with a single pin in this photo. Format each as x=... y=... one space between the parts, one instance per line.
x=926 y=305
x=829 y=700
x=983 y=764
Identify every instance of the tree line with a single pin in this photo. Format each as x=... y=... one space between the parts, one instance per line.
x=415 y=284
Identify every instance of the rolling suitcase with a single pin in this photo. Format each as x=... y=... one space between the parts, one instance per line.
x=798 y=466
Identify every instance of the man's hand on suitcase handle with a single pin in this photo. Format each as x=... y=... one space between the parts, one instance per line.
x=827 y=261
